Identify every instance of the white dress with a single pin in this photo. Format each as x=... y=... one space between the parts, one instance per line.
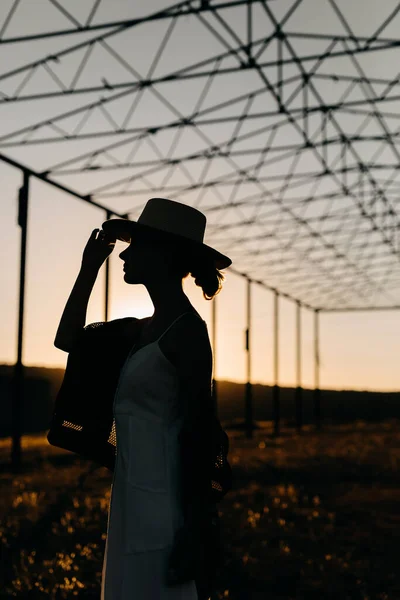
x=145 y=504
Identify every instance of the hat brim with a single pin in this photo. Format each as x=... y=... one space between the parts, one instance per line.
x=124 y=230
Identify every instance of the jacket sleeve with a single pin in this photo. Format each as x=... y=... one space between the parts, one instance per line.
x=85 y=399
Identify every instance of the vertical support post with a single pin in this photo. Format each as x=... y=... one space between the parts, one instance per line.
x=250 y=32
x=18 y=383
x=299 y=389
x=317 y=391
x=214 y=347
x=305 y=103
x=324 y=118
x=107 y=278
x=249 y=399
x=276 y=390
x=280 y=69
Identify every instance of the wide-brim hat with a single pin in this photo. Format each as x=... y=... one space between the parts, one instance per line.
x=170 y=220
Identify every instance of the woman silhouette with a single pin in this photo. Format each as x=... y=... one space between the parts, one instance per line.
x=158 y=510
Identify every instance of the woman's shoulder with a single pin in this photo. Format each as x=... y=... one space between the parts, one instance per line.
x=123 y=326
x=188 y=337
x=113 y=323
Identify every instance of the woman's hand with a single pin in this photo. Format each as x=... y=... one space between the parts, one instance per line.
x=97 y=249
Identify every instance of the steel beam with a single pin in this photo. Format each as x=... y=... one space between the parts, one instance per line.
x=59 y=186
x=249 y=398
x=214 y=347
x=107 y=278
x=18 y=383
x=181 y=9
x=276 y=389
x=317 y=391
x=299 y=389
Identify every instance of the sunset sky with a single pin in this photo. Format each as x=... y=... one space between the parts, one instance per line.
x=358 y=350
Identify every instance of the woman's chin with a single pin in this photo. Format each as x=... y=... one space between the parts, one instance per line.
x=129 y=278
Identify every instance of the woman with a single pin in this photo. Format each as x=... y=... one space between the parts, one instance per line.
x=158 y=515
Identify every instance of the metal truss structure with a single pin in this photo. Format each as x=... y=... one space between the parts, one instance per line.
x=279 y=134
x=281 y=125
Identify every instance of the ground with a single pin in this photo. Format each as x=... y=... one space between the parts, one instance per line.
x=314 y=515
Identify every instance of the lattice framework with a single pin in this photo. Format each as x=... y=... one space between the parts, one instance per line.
x=297 y=172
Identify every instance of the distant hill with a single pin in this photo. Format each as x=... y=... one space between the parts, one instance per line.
x=42 y=385
x=336 y=406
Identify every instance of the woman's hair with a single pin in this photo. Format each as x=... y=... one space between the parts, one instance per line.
x=203 y=270
x=208 y=277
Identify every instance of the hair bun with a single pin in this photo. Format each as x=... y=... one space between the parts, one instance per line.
x=207 y=277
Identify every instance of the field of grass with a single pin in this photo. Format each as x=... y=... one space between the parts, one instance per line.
x=314 y=515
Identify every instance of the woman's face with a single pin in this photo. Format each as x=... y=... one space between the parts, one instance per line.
x=145 y=256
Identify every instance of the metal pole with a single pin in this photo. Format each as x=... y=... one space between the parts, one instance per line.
x=317 y=391
x=107 y=277
x=249 y=32
x=299 y=389
x=276 y=390
x=17 y=404
x=249 y=400
x=214 y=347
